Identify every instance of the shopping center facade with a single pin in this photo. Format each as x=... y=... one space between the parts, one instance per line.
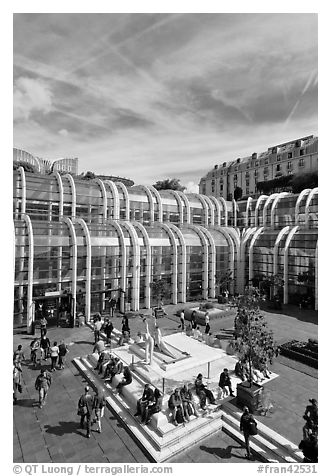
x=96 y=239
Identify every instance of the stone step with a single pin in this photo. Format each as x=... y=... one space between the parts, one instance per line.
x=160 y=445
x=279 y=447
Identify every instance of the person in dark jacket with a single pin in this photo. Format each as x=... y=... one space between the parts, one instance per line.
x=18 y=355
x=143 y=402
x=44 y=347
x=224 y=382
x=246 y=423
x=309 y=449
x=42 y=384
x=126 y=380
x=176 y=406
x=311 y=417
x=108 y=327
x=85 y=410
x=63 y=350
x=154 y=406
x=203 y=392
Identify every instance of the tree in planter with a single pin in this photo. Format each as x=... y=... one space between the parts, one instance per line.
x=160 y=289
x=223 y=281
x=253 y=343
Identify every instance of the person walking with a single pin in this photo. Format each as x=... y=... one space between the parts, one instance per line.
x=43 y=326
x=182 y=320
x=85 y=410
x=42 y=385
x=97 y=327
x=112 y=304
x=17 y=380
x=18 y=355
x=63 y=350
x=34 y=347
x=99 y=403
x=108 y=330
x=44 y=347
x=54 y=352
x=249 y=427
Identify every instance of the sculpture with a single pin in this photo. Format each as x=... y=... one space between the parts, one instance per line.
x=149 y=349
x=162 y=346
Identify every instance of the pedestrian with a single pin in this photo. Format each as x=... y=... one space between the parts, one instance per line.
x=54 y=353
x=207 y=318
x=194 y=320
x=63 y=350
x=97 y=327
x=85 y=410
x=112 y=304
x=249 y=427
x=34 y=347
x=126 y=380
x=43 y=326
x=18 y=355
x=125 y=326
x=17 y=380
x=182 y=320
x=44 y=347
x=42 y=384
x=99 y=347
x=207 y=328
x=224 y=382
x=311 y=417
x=99 y=403
x=108 y=330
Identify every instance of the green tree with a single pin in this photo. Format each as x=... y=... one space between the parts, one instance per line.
x=160 y=289
x=238 y=193
x=253 y=343
x=224 y=279
x=169 y=184
x=26 y=166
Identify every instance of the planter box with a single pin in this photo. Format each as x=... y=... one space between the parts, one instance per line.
x=248 y=394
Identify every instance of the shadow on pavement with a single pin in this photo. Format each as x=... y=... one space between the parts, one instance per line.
x=25 y=402
x=223 y=453
x=63 y=428
x=83 y=342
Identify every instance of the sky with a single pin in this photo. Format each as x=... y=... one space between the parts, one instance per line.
x=153 y=96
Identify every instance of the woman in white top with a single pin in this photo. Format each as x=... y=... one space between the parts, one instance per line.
x=54 y=351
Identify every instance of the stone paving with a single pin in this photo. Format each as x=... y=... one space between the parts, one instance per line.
x=52 y=434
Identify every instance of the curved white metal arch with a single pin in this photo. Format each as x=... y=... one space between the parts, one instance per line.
x=23 y=182
x=73 y=194
x=126 y=199
x=187 y=204
x=274 y=205
x=218 y=210
x=250 y=252
x=313 y=192
x=211 y=206
x=212 y=263
x=104 y=198
x=135 y=265
x=248 y=208
x=116 y=199
x=180 y=205
x=204 y=206
x=87 y=234
x=147 y=244
x=174 y=275
x=286 y=249
x=60 y=187
x=234 y=212
x=280 y=235
x=29 y=300
x=159 y=202
x=265 y=207
x=304 y=192
x=120 y=233
x=181 y=239
x=205 y=263
x=225 y=209
x=149 y=197
x=257 y=206
x=232 y=244
x=72 y=232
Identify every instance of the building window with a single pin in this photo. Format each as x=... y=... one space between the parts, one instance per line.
x=235 y=184
x=302 y=151
x=247 y=174
x=289 y=155
x=279 y=157
x=289 y=165
x=247 y=191
x=256 y=173
x=221 y=172
x=266 y=162
x=221 y=187
x=301 y=162
x=236 y=169
x=257 y=163
x=247 y=183
x=213 y=186
x=235 y=177
x=278 y=168
x=266 y=170
x=247 y=166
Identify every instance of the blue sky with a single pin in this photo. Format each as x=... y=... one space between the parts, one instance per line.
x=153 y=96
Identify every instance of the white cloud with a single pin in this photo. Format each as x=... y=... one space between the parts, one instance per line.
x=63 y=132
x=31 y=95
x=191 y=187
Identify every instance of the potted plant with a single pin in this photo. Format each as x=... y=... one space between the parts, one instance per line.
x=253 y=343
x=160 y=289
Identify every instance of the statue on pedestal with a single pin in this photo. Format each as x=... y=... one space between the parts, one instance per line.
x=162 y=346
x=149 y=349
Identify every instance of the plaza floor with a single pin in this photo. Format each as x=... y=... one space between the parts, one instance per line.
x=52 y=434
